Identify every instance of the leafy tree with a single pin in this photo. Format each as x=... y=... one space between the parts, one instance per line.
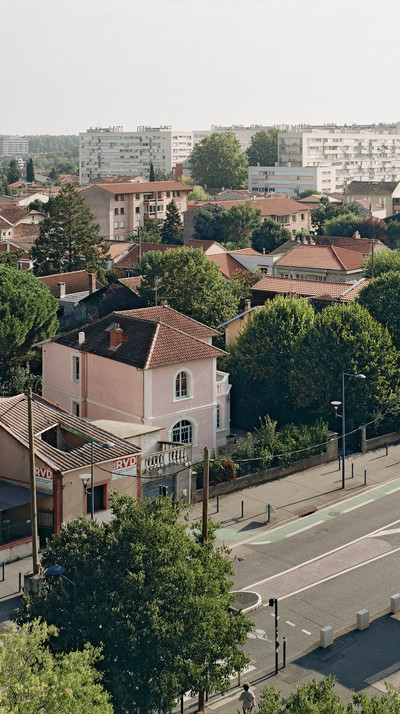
x=13 y=172
x=69 y=238
x=32 y=679
x=160 y=175
x=263 y=148
x=152 y=176
x=384 y=261
x=199 y=194
x=11 y=257
x=393 y=233
x=373 y=228
x=38 y=205
x=190 y=283
x=172 y=227
x=218 y=161
x=345 y=224
x=381 y=297
x=210 y=222
x=54 y=175
x=327 y=210
x=241 y=221
x=28 y=312
x=162 y=618
x=261 y=360
x=269 y=236
x=150 y=233
x=30 y=172
x=345 y=338
x=308 y=192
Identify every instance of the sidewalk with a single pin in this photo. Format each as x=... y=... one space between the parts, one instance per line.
x=294 y=496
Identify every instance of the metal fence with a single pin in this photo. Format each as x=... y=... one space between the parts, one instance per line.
x=10 y=531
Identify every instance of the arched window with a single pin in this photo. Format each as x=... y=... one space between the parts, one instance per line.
x=182 y=432
x=181 y=385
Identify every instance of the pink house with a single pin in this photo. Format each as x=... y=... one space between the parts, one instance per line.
x=153 y=366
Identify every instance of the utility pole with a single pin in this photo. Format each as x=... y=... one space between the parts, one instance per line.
x=206 y=479
x=35 y=547
x=373 y=259
x=140 y=247
x=274 y=601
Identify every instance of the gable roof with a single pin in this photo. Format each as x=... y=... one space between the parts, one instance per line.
x=14 y=420
x=274 y=206
x=12 y=213
x=130 y=257
x=229 y=266
x=371 y=188
x=308 y=288
x=144 y=187
x=78 y=281
x=173 y=318
x=204 y=244
x=360 y=245
x=325 y=257
x=146 y=344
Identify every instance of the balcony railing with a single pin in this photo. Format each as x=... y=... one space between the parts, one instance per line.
x=167 y=456
x=223 y=386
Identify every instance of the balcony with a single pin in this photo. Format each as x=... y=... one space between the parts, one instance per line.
x=170 y=454
x=223 y=386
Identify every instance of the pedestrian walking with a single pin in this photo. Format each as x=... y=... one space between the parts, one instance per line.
x=247 y=698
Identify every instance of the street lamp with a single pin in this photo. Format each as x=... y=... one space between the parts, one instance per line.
x=273 y=602
x=85 y=477
x=60 y=570
x=343 y=415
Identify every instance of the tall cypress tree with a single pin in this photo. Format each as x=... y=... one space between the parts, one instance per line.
x=152 y=174
x=172 y=228
x=30 y=172
x=13 y=172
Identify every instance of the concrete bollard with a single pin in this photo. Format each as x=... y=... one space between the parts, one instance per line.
x=395 y=603
x=326 y=636
x=362 y=619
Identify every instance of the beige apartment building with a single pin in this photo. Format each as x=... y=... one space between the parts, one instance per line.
x=291 y=180
x=121 y=208
x=357 y=155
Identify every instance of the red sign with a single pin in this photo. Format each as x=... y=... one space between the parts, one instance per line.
x=44 y=478
x=125 y=466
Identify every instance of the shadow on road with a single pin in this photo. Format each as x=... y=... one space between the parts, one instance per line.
x=358 y=655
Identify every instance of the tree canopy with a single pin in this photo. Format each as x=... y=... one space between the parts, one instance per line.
x=373 y=228
x=190 y=283
x=30 y=171
x=261 y=360
x=33 y=679
x=199 y=194
x=234 y=227
x=381 y=297
x=28 y=312
x=326 y=210
x=218 y=161
x=209 y=223
x=269 y=235
x=69 y=237
x=384 y=261
x=263 y=148
x=155 y=597
x=346 y=224
x=13 y=172
x=172 y=227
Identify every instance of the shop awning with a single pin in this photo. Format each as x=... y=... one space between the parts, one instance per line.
x=12 y=495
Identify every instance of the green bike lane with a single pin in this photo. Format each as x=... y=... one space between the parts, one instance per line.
x=255 y=536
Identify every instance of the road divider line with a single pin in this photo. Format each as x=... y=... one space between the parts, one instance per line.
x=306 y=528
x=306 y=632
x=290 y=623
x=359 y=505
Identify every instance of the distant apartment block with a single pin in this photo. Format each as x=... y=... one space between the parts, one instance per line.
x=357 y=155
x=122 y=208
x=290 y=180
x=13 y=146
x=243 y=133
x=114 y=152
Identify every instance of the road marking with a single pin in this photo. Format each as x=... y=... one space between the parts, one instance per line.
x=322 y=555
x=290 y=623
x=306 y=632
x=306 y=528
x=383 y=673
x=359 y=505
x=393 y=490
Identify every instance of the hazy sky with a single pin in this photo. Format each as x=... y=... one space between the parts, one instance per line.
x=67 y=66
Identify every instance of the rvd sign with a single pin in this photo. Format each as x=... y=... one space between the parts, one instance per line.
x=126 y=466
x=44 y=479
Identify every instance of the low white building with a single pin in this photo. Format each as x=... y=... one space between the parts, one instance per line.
x=291 y=180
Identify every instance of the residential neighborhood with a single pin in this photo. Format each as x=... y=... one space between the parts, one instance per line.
x=199 y=358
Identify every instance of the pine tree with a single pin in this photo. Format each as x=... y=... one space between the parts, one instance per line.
x=172 y=229
x=69 y=237
x=30 y=172
x=13 y=172
x=152 y=175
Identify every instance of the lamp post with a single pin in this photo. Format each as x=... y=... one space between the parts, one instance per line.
x=85 y=477
x=273 y=602
x=60 y=570
x=343 y=415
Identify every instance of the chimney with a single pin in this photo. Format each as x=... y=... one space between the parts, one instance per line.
x=81 y=338
x=115 y=336
x=92 y=283
x=61 y=290
x=247 y=304
x=356 y=235
x=164 y=303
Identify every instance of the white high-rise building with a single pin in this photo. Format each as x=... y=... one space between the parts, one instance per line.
x=114 y=152
x=358 y=155
x=13 y=146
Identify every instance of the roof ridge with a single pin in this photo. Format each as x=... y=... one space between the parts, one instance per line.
x=152 y=346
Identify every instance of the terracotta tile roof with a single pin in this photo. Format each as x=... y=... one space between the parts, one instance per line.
x=118 y=248
x=27 y=230
x=75 y=282
x=368 y=205
x=116 y=179
x=4 y=223
x=146 y=344
x=130 y=258
x=12 y=213
x=145 y=187
x=360 y=245
x=173 y=318
x=306 y=288
x=132 y=283
x=371 y=188
x=14 y=419
x=204 y=244
x=275 y=206
x=320 y=256
x=229 y=266
x=352 y=292
x=244 y=251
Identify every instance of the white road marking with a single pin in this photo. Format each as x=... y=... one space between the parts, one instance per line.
x=359 y=505
x=306 y=528
x=393 y=490
x=306 y=632
x=290 y=623
x=322 y=555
